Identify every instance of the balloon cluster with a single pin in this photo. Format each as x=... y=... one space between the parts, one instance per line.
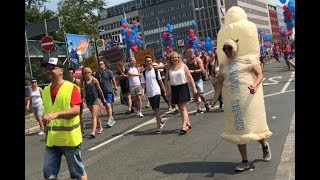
x=193 y=42
x=133 y=40
x=168 y=39
x=266 y=39
x=289 y=17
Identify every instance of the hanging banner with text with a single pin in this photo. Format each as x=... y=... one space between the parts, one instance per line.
x=113 y=54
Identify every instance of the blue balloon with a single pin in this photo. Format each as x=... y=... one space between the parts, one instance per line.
x=283 y=1
x=208 y=39
x=291 y=7
x=123 y=31
x=122 y=20
x=193 y=24
x=284 y=13
x=107 y=46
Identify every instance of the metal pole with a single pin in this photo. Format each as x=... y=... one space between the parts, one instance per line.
x=161 y=44
x=45 y=25
x=65 y=40
x=125 y=17
x=25 y=34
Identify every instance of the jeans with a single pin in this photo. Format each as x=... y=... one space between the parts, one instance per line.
x=52 y=161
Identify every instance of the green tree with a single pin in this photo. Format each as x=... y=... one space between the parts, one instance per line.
x=79 y=16
x=34 y=3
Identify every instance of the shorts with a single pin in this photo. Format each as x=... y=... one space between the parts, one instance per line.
x=135 y=90
x=52 y=161
x=109 y=97
x=155 y=101
x=91 y=103
x=38 y=111
x=180 y=94
x=199 y=86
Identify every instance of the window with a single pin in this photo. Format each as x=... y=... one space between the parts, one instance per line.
x=208 y=23
x=200 y=34
x=203 y=24
x=202 y=14
x=197 y=15
x=206 y=11
x=217 y=22
x=209 y=33
x=200 y=4
x=211 y=12
x=205 y=4
x=216 y=11
x=210 y=3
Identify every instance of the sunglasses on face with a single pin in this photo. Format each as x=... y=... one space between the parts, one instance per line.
x=86 y=72
x=34 y=81
x=225 y=48
x=51 y=68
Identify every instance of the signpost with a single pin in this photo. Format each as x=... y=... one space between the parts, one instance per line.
x=47 y=44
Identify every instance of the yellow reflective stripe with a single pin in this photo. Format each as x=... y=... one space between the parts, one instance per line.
x=63 y=128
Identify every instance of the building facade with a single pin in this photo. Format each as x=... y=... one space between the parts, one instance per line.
x=153 y=15
x=274 y=24
x=257 y=11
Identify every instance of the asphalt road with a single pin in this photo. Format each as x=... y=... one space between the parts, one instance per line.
x=132 y=150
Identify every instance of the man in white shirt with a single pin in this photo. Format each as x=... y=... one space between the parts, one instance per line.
x=153 y=84
x=135 y=85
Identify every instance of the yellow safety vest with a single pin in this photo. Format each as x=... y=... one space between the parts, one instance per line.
x=61 y=132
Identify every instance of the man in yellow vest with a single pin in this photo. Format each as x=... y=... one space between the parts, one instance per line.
x=62 y=101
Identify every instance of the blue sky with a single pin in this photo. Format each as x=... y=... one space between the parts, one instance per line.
x=52 y=5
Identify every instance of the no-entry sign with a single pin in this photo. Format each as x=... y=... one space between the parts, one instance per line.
x=47 y=43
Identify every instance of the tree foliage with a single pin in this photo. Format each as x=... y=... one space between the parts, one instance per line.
x=79 y=16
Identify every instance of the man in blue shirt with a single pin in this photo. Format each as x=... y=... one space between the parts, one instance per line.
x=108 y=85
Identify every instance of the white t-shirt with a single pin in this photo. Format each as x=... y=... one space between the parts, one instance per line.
x=134 y=80
x=152 y=86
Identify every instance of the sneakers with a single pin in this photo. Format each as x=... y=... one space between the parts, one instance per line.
x=220 y=105
x=159 y=131
x=199 y=111
x=243 y=166
x=267 y=153
x=111 y=122
x=207 y=107
x=162 y=124
x=147 y=106
x=41 y=133
x=140 y=115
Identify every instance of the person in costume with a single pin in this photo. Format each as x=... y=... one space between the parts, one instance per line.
x=240 y=81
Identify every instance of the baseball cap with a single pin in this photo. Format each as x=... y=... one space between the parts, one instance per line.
x=53 y=61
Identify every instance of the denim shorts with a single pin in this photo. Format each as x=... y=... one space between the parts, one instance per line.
x=38 y=111
x=109 y=97
x=199 y=86
x=52 y=161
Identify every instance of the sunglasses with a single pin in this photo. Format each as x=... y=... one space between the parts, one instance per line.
x=87 y=72
x=229 y=48
x=51 y=68
x=33 y=81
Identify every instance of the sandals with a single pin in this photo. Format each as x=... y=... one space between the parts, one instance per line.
x=184 y=130
x=92 y=135
x=99 y=132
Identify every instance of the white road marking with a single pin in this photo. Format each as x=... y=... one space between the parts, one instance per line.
x=273 y=81
x=154 y=120
x=287 y=84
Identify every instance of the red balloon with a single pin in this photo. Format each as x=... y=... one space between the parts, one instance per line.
x=191 y=35
x=129 y=31
x=285 y=7
x=124 y=25
x=138 y=37
x=191 y=31
x=132 y=42
x=199 y=46
x=134 y=22
x=194 y=38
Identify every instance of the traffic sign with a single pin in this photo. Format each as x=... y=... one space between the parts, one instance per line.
x=47 y=43
x=116 y=39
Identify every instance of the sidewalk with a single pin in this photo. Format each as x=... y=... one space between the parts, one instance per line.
x=31 y=125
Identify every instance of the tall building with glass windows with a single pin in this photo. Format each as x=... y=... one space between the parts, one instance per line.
x=257 y=11
x=153 y=15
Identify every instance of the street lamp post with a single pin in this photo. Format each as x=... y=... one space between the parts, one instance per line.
x=195 y=17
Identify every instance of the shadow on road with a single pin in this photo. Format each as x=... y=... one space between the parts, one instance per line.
x=153 y=132
x=209 y=168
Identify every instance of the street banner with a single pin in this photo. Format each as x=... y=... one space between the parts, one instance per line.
x=113 y=54
x=140 y=55
x=81 y=52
